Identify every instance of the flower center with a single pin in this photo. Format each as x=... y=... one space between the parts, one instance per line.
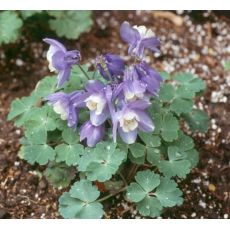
x=129 y=122
x=132 y=96
x=59 y=109
x=144 y=32
x=95 y=103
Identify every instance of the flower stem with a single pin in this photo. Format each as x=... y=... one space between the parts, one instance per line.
x=83 y=71
x=132 y=172
x=111 y=195
x=94 y=73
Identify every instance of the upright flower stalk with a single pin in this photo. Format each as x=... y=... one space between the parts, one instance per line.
x=122 y=97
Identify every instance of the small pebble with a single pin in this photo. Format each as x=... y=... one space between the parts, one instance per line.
x=202 y=204
x=212 y=187
x=19 y=62
x=193 y=214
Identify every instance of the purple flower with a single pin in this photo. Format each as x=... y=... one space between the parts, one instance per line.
x=92 y=134
x=139 y=38
x=96 y=102
x=132 y=88
x=150 y=77
x=67 y=105
x=61 y=60
x=129 y=119
x=110 y=66
x=140 y=82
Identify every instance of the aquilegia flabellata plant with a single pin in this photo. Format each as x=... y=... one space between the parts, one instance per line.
x=97 y=128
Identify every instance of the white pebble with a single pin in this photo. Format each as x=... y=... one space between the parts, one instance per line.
x=202 y=204
x=193 y=214
x=19 y=62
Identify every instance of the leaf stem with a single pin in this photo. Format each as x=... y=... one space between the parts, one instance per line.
x=132 y=172
x=113 y=194
x=83 y=71
x=123 y=178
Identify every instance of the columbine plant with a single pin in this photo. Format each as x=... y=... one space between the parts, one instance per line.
x=113 y=130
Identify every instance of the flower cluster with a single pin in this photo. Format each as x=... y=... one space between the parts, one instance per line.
x=122 y=101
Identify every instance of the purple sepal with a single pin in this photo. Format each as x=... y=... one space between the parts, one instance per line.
x=66 y=106
x=110 y=66
x=92 y=134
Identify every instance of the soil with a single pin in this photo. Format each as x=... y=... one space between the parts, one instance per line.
x=198 y=42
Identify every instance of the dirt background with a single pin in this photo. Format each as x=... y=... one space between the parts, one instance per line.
x=198 y=42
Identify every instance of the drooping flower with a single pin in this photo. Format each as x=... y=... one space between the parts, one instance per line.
x=132 y=88
x=149 y=76
x=110 y=66
x=61 y=60
x=129 y=119
x=96 y=102
x=139 y=38
x=92 y=134
x=67 y=105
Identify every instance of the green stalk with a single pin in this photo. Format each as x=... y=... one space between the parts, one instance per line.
x=111 y=195
x=83 y=71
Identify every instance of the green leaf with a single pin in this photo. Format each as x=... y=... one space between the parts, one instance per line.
x=80 y=202
x=69 y=153
x=36 y=136
x=190 y=82
x=69 y=207
x=177 y=165
x=149 y=206
x=135 y=192
x=147 y=180
x=136 y=160
x=193 y=157
x=197 y=120
x=169 y=127
x=167 y=92
x=185 y=93
x=137 y=150
x=84 y=191
x=40 y=154
x=153 y=155
x=21 y=107
x=70 y=136
x=168 y=194
x=101 y=162
x=183 y=142
x=45 y=87
x=186 y=145
x=60 y=175
x=150 y=140
x=40 y=119
x=10 y=25
x=180 y=98
x=180 y=105
x=70 y=24
x=151 y=192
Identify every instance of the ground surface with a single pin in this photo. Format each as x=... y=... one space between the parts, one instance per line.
x=199 y=43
